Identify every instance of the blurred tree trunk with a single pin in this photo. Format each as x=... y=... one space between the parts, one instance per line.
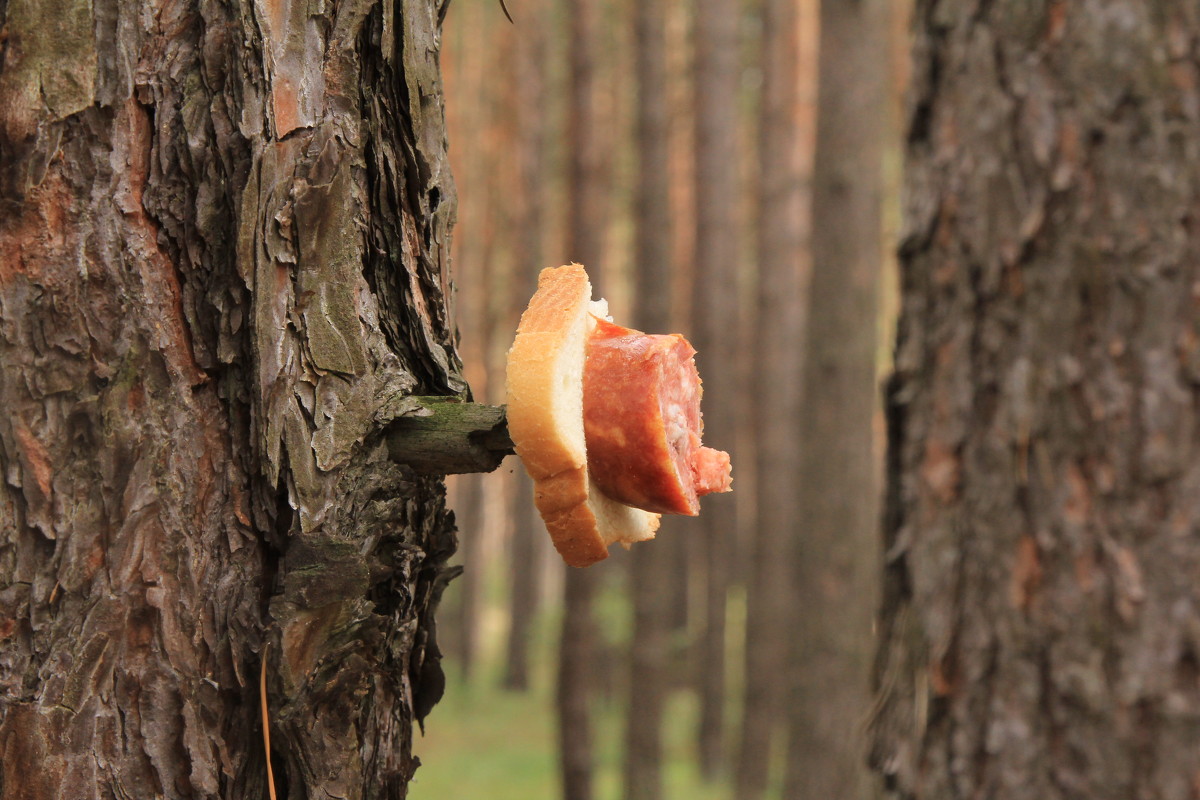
x=650 y=583
x=525 y=578
x=837 y=562
x=525 y=575
x=680 y=189
x=471 y=58
x=223 y=235
x=574 y=686
x=585 y=203
x=778 y=373
x=469 y=519
x=714 y=326
x=1040 y=632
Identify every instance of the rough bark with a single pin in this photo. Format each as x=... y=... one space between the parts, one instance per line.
x=1040 y=627
x=715 y=319
x=651 y=566
x=836 y=564
x=783 y=267
x=222 y=268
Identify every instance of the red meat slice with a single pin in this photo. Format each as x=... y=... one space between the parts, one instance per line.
x=642 y=423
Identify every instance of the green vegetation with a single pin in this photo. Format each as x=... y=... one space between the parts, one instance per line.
x=483 y=741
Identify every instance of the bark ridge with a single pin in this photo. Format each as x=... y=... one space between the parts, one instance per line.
x=224 y=244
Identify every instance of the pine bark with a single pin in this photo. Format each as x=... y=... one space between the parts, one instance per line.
x=715 y=319
x=222 y=269
x=836 y=564
x=1040 y=617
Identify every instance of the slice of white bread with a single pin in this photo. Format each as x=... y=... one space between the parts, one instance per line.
x=545 y=420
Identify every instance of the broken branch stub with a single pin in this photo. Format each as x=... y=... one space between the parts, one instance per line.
x=446 y=436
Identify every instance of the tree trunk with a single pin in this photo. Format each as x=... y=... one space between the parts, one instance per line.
x=472 y=56
x=469 y=513
x=784 y=176
x=586 y=182
x=1040 y=626
x=222 y=268
x=652 y=566
x=585 y=202
x=681 y=129
x=525 y=578
x=715 y=320
x=525 y=574
x=574 y=689
x=837 y=561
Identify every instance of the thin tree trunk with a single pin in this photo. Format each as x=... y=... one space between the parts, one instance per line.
x=680 y=190
x=1039 y=637
x=525 y=586
x=836 y=566
x=574 y=686
x=222 y=258
x=650 y=678
x=484 y=279
x=475 y=248
x=524 y=571
x=714 y=321
x=586 y=183
x=585 y=203
x=469 y=517
x=651 y=568
x=779 y=351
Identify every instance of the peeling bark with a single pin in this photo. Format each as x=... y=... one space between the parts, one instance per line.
x=223 y=248
x=1040 y=629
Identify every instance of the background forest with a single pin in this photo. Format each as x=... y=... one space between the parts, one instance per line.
x=669 y=146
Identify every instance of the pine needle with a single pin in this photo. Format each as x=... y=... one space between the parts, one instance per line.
x=266 y=720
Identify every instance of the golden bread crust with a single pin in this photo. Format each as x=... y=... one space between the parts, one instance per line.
x=545 y=421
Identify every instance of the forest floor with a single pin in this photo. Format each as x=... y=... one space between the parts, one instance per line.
x=484 y=741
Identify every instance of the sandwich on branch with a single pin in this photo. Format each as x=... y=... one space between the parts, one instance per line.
x=606 y=420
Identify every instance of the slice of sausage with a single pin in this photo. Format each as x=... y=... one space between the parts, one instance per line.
x=642 y=423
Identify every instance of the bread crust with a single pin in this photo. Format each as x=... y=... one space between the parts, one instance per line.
x=545 y=420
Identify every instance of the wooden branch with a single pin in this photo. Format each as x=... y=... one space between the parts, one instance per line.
x=449 y=437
